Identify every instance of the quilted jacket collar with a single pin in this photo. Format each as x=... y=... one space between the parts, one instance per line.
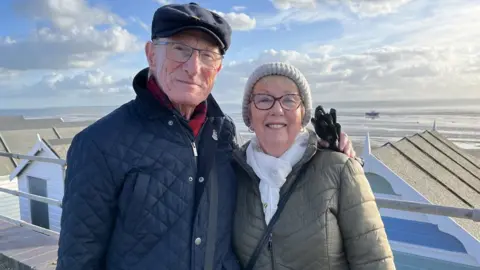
x=147 y=105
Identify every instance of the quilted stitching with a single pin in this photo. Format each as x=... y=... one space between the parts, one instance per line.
x=319 y=215
x=128 y=202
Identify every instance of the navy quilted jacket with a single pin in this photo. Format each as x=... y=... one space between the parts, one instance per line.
x=129 y=198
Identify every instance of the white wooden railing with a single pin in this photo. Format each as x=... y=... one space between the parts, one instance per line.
x=34 y=158
x=425 y=208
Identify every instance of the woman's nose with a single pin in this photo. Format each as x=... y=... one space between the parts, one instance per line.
x=277 y=108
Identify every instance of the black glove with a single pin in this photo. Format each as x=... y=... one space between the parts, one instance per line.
x=327 y=128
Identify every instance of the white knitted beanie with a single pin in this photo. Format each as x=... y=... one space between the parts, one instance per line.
x=281 y=69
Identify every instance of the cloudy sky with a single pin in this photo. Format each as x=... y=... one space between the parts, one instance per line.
x=85 y=52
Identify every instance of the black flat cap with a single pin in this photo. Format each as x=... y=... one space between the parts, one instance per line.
x=171 y=19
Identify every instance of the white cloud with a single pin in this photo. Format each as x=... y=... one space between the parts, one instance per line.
x=372 y=8
x=238 y=21
x=309 y=11
x=389 y=49
x=419 y=53
x=141 y=23
x=66 y=14
x=164 y=2
x=322 y=50
x=6 y=75
x=238 y=8
x=364 y=8
x=450 y=24
x=288 y=4
x=89 y=83
x=286 y=16
x=71 y=38
x=383 y=73
x=7 y=40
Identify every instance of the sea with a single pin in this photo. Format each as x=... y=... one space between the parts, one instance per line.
x=458 y=120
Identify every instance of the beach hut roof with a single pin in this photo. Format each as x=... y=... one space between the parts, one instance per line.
x=18 y=135
x=438 y=169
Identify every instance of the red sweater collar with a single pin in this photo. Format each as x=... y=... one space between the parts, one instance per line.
x=198 y=116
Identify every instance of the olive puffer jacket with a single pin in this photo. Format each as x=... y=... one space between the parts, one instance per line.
x=331 y=220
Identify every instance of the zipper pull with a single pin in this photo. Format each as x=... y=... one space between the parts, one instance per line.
x=194 y=147
x=270 y=242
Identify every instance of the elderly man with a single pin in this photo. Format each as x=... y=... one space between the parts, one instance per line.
x=150 y=185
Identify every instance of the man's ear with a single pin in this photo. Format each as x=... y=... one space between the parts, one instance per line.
x=219 y=67
x=150 y=54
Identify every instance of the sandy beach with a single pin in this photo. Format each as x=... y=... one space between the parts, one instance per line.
x=458 y=120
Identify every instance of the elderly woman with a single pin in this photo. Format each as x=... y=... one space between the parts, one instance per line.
x=329 y=219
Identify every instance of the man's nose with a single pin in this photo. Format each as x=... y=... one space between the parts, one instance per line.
x=193 y=64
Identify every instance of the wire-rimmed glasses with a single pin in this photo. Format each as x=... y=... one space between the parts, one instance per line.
x=180 y=52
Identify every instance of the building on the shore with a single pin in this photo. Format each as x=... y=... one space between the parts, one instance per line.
x=9 y=204
x=428 y=168
x=42 y=179
x=36 y=137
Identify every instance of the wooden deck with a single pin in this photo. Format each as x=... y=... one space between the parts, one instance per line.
x=22 y=248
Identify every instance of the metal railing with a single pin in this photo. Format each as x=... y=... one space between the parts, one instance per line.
x=31 y=226
x=32 y=197
x=425 y=208
x=432 y=209
x=34 y=158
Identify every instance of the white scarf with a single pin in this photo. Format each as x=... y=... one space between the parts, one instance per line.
x=273 y=171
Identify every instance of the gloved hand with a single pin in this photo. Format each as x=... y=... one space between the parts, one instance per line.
x=330 y=132
x=326 y=127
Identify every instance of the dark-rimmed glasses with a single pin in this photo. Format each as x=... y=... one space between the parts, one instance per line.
x=180 y=52
x=265 y=101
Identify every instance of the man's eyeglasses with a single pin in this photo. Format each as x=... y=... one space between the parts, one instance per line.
x=179 y=52
x=265 y=101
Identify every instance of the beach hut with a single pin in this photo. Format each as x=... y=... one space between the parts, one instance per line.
x=427 y=168
x=42 y=179
x=47 y=137
x=9 y=204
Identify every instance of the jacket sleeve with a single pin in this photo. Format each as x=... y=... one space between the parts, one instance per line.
x=88 y=209
x=365 y=240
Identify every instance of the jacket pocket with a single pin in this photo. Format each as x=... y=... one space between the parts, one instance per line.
x=136 y=200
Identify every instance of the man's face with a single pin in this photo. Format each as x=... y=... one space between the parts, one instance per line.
x=187 y=80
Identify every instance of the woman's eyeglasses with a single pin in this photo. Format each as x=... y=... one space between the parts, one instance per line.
x=265 y=101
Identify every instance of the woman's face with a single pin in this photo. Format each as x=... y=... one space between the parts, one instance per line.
x=276 y=123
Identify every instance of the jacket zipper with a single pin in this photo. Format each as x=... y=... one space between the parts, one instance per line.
x=189 y=139
x=194 y=145
x=270 y=238
x=195 y=154
x=270 y=248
